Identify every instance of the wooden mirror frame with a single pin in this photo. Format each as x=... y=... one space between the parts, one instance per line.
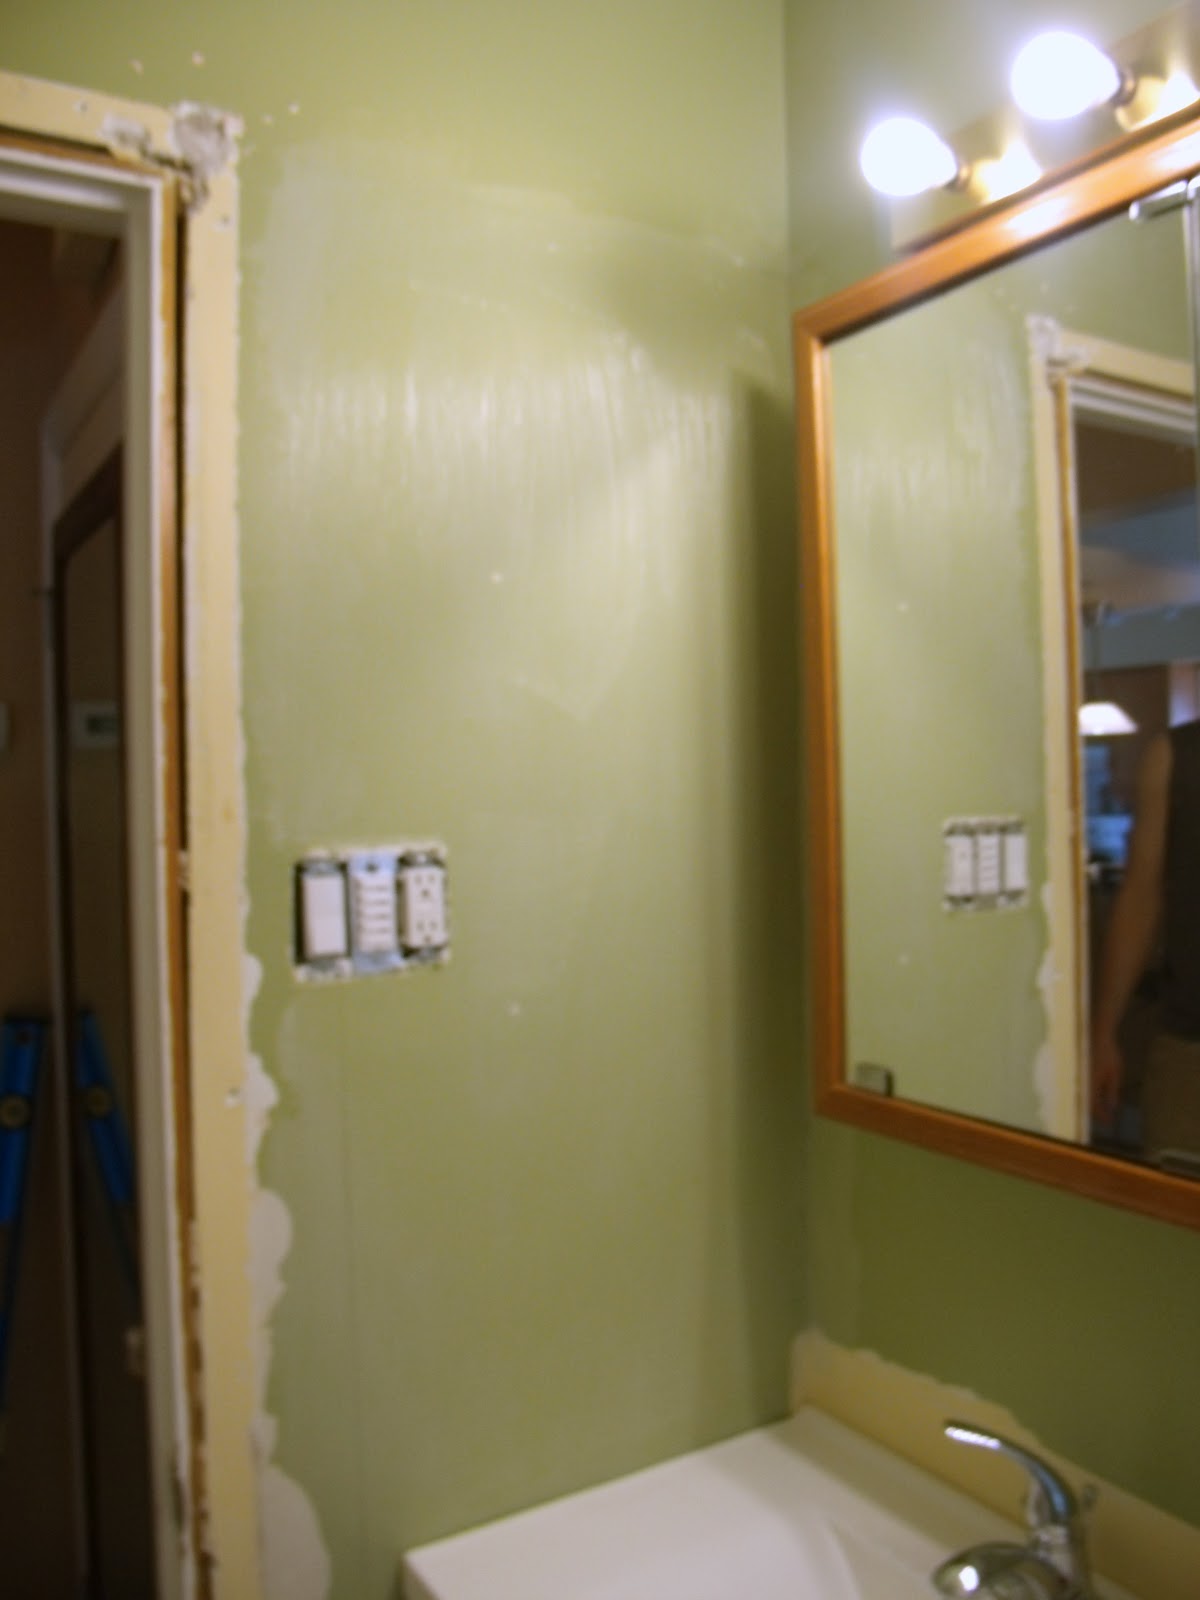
x=1055 y=208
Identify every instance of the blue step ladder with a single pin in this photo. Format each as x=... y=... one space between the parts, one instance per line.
x=22 y=1045
x=22 y=1051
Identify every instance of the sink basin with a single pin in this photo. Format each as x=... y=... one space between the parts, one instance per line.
x=804 y=1510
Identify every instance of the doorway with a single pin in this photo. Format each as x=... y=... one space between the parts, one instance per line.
x=75 y=1474
x=163 y=182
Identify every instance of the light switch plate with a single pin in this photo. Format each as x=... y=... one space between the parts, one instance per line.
x=363 y=911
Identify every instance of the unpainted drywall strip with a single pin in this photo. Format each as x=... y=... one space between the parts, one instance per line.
x=1133 y=1543
x=295 y=1562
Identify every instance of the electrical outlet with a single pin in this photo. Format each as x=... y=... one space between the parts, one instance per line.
x=423 y=904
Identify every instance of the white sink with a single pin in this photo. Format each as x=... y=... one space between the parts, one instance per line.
x=804 y=1510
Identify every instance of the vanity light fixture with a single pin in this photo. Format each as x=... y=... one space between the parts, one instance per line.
x=1007 y=174
x=1167 y=95
x=901 y=157
x=1059 y=75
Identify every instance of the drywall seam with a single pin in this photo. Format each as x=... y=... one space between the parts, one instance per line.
x=1132 y=1542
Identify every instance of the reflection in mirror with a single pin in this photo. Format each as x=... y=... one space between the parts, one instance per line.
x=951 y=577
x=1139 y=595
x=997 y=449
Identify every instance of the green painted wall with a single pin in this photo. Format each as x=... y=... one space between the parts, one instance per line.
x=1081 y=1319
x=518 y=574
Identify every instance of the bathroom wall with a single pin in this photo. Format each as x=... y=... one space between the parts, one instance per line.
x=1080 y=1319
x=518 y=575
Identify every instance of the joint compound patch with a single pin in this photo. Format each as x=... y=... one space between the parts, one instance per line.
x=125 y=136
x=296 y=1564
x=205 y=140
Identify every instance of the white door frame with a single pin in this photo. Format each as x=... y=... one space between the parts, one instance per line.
x=77 y=166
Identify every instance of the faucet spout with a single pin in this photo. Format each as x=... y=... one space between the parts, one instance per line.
x=1060 y=1502
x=1057 y=1546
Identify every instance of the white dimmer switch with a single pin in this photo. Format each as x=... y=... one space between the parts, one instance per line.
x=373 y=921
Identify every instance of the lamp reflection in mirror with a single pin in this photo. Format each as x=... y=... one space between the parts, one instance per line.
x=902 y=156
x=1101 y=719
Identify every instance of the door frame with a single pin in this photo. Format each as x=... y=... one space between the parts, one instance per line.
x=109 y=166
x=1073 y=373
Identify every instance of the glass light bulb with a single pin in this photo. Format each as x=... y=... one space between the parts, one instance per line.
x=1058 y=75
x=902 y=156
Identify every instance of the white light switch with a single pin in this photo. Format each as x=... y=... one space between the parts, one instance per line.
x=959 y=866
x=1016 y=861
x=323 y=911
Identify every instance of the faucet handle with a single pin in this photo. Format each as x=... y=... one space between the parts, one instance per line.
x=1051 y=1499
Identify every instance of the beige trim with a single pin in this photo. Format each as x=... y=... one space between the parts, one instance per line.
x=219 y=1273
x=216 y=845
x=1132 y=1542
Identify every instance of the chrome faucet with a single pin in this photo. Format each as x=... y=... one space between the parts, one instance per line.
x=1052 y=1566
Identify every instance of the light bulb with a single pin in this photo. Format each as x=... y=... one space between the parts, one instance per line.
x=902 y=156
x=1058 y=75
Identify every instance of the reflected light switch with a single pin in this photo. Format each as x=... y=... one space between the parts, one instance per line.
x=987 y=862
x=959 y=866
x=1016 y=861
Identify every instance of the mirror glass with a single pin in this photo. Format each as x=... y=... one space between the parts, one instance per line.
x=1003 y=553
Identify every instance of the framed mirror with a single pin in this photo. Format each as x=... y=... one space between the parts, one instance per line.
x=1001 y=566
